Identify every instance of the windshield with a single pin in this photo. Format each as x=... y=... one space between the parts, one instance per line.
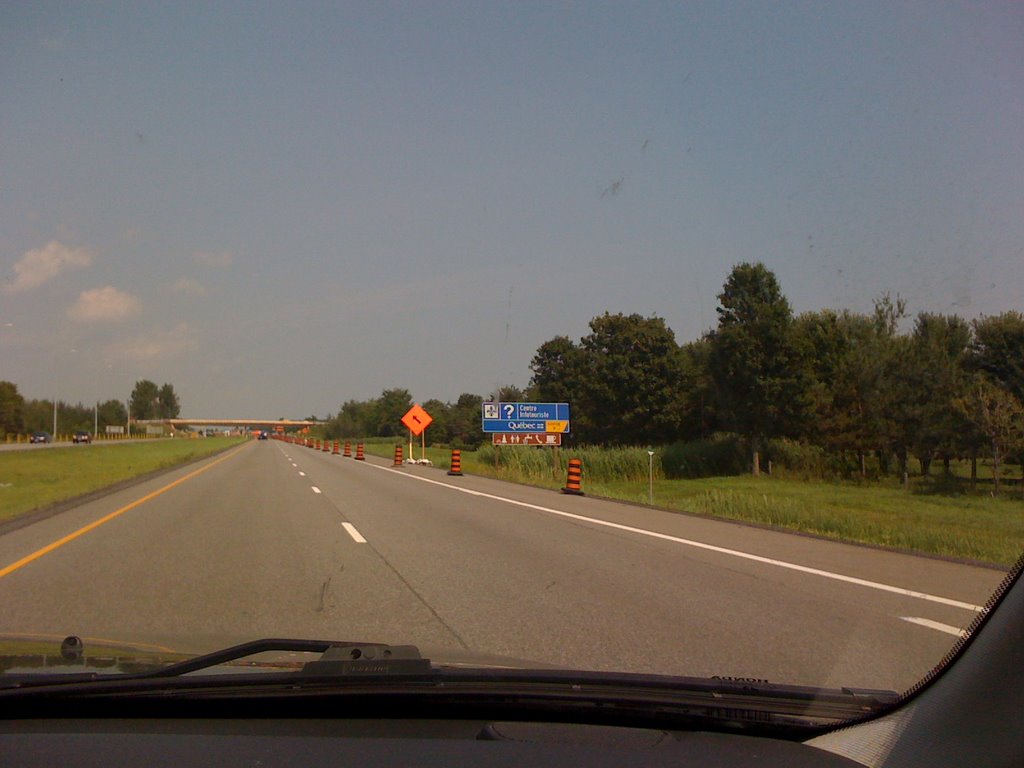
x=682 y=340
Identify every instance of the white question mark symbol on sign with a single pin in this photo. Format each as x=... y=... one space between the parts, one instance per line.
x=509 y=410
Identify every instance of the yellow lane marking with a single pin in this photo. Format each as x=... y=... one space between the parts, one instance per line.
x=116 y=513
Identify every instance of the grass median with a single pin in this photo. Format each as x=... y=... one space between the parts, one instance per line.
x=35 y=478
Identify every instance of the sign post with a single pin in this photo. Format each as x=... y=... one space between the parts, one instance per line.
x=540 y=424
x=417 y=420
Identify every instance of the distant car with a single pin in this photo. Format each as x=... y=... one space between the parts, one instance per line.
x=81 y=436
x=263 y=435
x=40 y=437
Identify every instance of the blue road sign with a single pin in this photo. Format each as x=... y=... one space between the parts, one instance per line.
x=525 y=417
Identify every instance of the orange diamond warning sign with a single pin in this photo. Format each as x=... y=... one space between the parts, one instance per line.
x=417 y=419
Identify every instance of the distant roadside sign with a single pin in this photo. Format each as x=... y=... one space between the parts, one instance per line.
x=525 y=417
x=417 y=419
x=531 y=438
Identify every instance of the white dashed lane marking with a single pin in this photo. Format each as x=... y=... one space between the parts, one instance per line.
x=938 y=625
x=357 y=537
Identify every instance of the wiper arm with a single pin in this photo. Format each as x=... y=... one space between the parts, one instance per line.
x=338 y=658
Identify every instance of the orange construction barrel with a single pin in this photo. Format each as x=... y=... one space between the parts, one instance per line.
x=456 y=463
x=574 y=477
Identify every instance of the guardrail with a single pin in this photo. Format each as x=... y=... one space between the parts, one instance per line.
x=11 y=438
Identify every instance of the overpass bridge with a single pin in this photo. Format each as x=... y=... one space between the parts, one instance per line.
x=234 y=423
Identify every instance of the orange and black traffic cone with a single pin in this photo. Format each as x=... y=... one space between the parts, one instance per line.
x=327 y=446
x=359 y=452
x=337 y=448
x=348 y=451
x=456 y=462
x=398 y=455
x=572 y=481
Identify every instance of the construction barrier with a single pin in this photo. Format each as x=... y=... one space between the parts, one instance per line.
x=337 y=448
x=348 y=451
x=359 y=453
x=456 y=462
x=398 y=456
x=572 y=482
x=327 y=446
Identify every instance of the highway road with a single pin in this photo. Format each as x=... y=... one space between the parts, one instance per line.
x=273 y=539
x=58 y=444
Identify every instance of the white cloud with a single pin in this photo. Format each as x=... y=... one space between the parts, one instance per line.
x=159 y=345
x=210 y=259
x=188 y=286
x=104 y=305
x=40 y=265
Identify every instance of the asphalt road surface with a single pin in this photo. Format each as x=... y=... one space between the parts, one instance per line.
x=277 y=540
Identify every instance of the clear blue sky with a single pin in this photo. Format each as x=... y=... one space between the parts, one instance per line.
x=278 y=207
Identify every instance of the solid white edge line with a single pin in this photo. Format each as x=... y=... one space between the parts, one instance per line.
x=947 y=628
x=357 y=537
x=701 y=545
x=315 y=489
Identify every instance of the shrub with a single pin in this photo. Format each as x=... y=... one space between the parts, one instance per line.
x=719 y=455
x=799 y=459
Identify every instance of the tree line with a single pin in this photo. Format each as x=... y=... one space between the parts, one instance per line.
x=19 y=415
x=851 y=386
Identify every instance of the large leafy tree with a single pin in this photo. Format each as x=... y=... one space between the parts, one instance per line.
x=38 y=415
x=12 y=406
x=823 y=344
x=933 y=379
x=464 y=421
x=998 y=350
x=439 y=430
x=145 y=400
x=507 y=393
x=628 y=381
x=356 y=418
x=760 y=381
x=168 y=404
x=696 y=391
x=392 y=405
x=556 y=371
x=112 y=413
x=998 y=415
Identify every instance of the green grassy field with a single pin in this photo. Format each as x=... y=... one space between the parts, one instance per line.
x=929 y=518
x=975 y=527
x=35 y=478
